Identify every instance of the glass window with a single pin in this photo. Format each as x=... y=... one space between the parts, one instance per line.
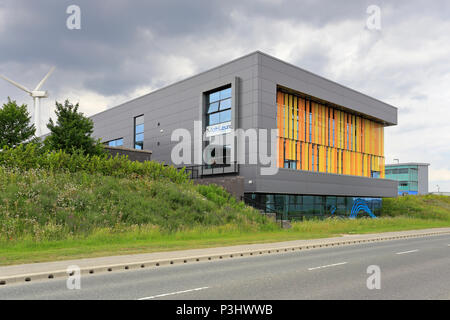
x=219 y=107
x=139 y=132
x=140 y=137
x=214 y=119
x=213 y=107
x=225 y=116
x=139 y=128
x=215 y=96
x=115 y=143
x=225 y=104
x=225 y=94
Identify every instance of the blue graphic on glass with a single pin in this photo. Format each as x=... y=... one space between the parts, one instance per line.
x=358 y=206
x=333 y=209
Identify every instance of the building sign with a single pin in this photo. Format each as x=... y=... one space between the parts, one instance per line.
x=218 y=129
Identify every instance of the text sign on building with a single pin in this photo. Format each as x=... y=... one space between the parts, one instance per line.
x=217 y=129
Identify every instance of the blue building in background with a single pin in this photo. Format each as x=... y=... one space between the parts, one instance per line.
x=412 y=177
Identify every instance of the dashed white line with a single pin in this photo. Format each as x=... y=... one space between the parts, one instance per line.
x=327 y=266
x=173 y=293
x=410 y=251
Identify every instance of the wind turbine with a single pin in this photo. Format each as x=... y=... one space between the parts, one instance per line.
x=36 y=94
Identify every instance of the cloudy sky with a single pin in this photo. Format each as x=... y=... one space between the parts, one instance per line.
x=126 y=48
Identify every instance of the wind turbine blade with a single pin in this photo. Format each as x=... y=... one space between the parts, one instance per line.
x=16 y=84
x=45 y=79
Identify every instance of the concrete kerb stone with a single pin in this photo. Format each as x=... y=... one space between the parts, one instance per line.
x=30 y=278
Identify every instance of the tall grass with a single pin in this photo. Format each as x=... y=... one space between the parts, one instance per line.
x=46 y=205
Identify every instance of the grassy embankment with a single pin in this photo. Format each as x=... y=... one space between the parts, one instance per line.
x=116 y=207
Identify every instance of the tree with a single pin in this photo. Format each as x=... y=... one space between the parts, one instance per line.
x=15 y=127
x=72 y=131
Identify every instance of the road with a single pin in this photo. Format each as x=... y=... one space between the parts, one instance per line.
x=417 y=268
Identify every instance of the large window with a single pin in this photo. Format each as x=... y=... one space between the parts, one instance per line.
x=139 y=132
x=115 y=143
x=313 y=206
x=218 y=109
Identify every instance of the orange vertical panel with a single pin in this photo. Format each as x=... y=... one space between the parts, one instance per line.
x=335 y=129
x=307 y=121
x=312 y=121
x=301 y=119
x=324 y=126
x=295 y=118
x=327 y=126
x=319 y=123
x=309 y=156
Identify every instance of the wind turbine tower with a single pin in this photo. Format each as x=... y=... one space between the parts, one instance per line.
x=36 y=94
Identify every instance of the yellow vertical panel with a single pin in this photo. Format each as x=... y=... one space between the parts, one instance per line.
x=308 y=110
x=345 y=167
x=320 y=151
x=304 y=157
x=340 y=162
x=337 y=131
x=324 y=121
x=358 y=133
x=295 y=119
x=332 y=160
x=290 y=117
x=299 y=162
x=280 y=116
x=319 y=123
x=288 y=149
x=341 y=128
x=280 y=152
x=313 y=122
x=352 y=163
x=327 y=126
x=305 y=153
x=301 y=119
x=286 y=115
x=324 y=125
x=354 y=133
x=349 y=162
x=310 y=157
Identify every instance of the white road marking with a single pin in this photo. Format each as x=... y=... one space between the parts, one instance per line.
x=173 y=293
x=327 y=266
x=410 y=251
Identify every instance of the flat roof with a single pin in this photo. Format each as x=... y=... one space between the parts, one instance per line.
x=407 y=164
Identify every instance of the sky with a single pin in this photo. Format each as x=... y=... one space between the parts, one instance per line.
x=127 y=48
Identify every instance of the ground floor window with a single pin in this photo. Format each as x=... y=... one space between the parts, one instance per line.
x=297 y=207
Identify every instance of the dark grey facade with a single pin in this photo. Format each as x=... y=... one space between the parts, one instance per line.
x=253 y=79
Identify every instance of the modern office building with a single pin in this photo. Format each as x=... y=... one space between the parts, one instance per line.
x=330 y=151
x=412 y=177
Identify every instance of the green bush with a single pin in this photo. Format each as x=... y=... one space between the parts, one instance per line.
x=30 y=156
x=422 y=207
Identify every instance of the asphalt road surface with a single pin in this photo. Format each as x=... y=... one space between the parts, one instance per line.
x=417 y=268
